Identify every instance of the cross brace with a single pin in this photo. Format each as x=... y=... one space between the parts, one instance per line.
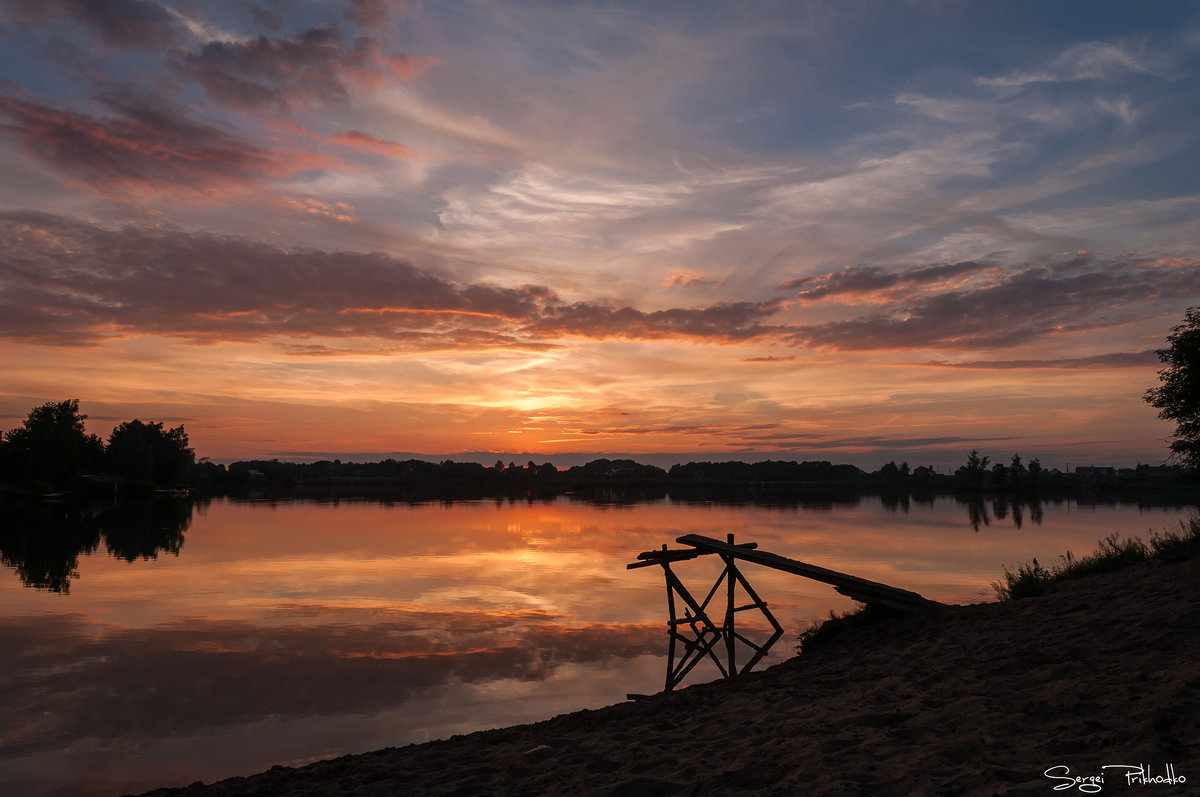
x=696 y=631
x=706 y=636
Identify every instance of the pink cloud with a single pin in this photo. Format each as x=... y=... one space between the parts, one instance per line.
x=354 y=139
x=409 y=67
x=139 y=146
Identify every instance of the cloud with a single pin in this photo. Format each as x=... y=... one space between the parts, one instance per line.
x=338 y=211
x=739 y=431
x=725 y=322
x=137 y=146
x=784 y=441
x=1131 y=359
x=373 y=13
x=688 y=280
x=264 y=17
x=1073 y=295
x=71 y=281
x=74 y=282
x=118 y=23
x=409 y=67
x=312 y=68
x=857 y=280
x=1085 y=61
x=353 y=139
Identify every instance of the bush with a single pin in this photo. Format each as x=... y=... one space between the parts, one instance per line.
x=1112 y=553
x=819 y=634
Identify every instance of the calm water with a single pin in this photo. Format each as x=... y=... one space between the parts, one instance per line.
x=267 y=633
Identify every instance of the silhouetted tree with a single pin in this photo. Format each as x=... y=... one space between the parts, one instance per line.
x=51 y=447
x=147 y=452
x=1016 y=469
x=1178 y=397
x=1035 y=472
x=972 y=473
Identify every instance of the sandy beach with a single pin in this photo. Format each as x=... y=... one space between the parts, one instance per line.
x=1010 y=698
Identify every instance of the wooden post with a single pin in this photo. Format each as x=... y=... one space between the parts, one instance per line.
x=705 y=634
x=730 y=641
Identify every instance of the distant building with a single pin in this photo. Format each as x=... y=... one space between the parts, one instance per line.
x=1095 y=470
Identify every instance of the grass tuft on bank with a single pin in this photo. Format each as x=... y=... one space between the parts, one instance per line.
x=1033 y=578
x=1113 y=553
x=820 y=633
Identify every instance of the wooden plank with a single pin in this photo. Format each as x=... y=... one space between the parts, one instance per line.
x=860 y=589
x=657 y=556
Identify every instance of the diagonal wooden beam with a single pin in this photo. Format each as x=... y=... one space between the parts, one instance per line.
x=860 y=589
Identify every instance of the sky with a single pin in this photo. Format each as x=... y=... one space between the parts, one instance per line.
x=855 y=231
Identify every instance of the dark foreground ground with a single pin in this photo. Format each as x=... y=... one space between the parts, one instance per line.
x=1012 y=698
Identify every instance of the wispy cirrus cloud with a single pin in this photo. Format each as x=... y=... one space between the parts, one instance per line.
x=1093 y=60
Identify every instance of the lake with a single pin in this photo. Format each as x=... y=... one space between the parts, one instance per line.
x=199 y=640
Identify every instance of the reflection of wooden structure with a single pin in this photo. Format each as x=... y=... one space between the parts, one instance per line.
x=706 y=636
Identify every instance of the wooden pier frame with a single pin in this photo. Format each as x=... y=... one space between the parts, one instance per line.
x=706 y=636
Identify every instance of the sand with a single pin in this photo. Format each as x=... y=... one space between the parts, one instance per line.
x=971 y=700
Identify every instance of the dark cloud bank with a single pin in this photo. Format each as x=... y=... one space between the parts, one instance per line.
x=68 y=281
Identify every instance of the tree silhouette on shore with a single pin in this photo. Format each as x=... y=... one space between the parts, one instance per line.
x=1178 y=397
x=52 y=449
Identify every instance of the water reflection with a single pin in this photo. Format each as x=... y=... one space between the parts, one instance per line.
x=201 y=675
x=43 y=541
x=292 y=630
x=1002 y=506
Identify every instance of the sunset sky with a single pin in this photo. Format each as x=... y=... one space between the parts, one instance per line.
x=856 y=231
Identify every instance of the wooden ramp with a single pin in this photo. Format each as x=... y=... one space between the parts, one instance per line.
x=706 y=635
x=860 y=589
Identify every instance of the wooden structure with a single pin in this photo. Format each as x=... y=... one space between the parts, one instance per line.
x=697 y=630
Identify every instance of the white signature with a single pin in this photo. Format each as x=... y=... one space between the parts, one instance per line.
x=1135 y=775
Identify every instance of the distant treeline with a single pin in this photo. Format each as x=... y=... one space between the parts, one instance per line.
x=635 y=480
x=51 y=453
x=597 y=471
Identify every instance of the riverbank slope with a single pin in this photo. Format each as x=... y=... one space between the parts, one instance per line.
x=982 y=699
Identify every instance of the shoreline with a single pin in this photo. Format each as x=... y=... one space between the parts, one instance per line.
x=974 y=699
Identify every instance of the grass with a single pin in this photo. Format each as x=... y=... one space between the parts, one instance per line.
x=1033 y=578
x=1113 y=553
x=818 y=634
